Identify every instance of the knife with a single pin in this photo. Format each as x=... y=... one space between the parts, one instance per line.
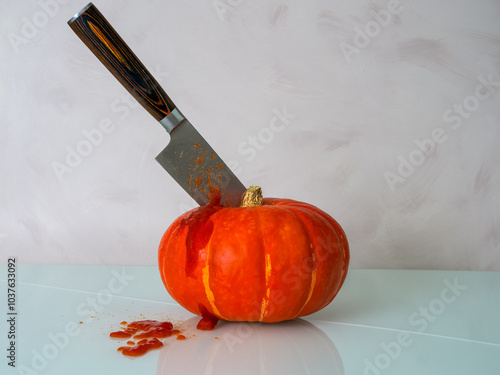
x=188 y=157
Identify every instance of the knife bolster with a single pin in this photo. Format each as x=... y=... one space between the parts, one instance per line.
x=170 y=121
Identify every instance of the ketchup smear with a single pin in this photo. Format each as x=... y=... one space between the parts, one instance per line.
x=141 y=348
x=148 y=332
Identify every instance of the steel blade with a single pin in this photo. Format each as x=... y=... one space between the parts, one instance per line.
x=197 y=168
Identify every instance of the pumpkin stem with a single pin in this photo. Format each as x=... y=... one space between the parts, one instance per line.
x=252 y=197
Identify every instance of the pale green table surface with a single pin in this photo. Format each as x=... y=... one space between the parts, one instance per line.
x=382 y=322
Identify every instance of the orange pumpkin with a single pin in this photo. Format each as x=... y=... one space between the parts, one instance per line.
x=269 y=260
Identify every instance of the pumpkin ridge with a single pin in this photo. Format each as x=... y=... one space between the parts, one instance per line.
x=267 y=266
x=305 y=230
x=343 y=265
x=205 y=272
x=340 y=234
x=265 y=299
x=345 y=254
x=165 y=257
x=311 y=288
x=332 y=222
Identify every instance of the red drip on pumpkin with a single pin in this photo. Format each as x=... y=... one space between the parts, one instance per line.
x=208 y=320
x=200 y=229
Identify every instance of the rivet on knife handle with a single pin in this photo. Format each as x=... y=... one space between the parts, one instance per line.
x=105 y=43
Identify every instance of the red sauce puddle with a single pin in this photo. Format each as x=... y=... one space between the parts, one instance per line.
x=147 y=332
x=141 y=348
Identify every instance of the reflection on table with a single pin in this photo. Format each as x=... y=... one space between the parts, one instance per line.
x=292 y=347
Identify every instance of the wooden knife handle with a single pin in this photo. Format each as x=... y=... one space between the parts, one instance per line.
x=105 y=43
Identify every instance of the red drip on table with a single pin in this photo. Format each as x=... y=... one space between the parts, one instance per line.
x=208 y=320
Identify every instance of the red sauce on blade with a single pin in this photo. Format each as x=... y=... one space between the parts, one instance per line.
x=181 y=337
x=141 y=348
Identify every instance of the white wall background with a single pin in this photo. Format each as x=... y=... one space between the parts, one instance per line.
x=355 y=117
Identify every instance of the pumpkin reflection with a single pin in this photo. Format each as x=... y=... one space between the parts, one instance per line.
x=291 y=347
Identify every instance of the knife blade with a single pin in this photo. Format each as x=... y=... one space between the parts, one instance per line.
x=188 y=157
